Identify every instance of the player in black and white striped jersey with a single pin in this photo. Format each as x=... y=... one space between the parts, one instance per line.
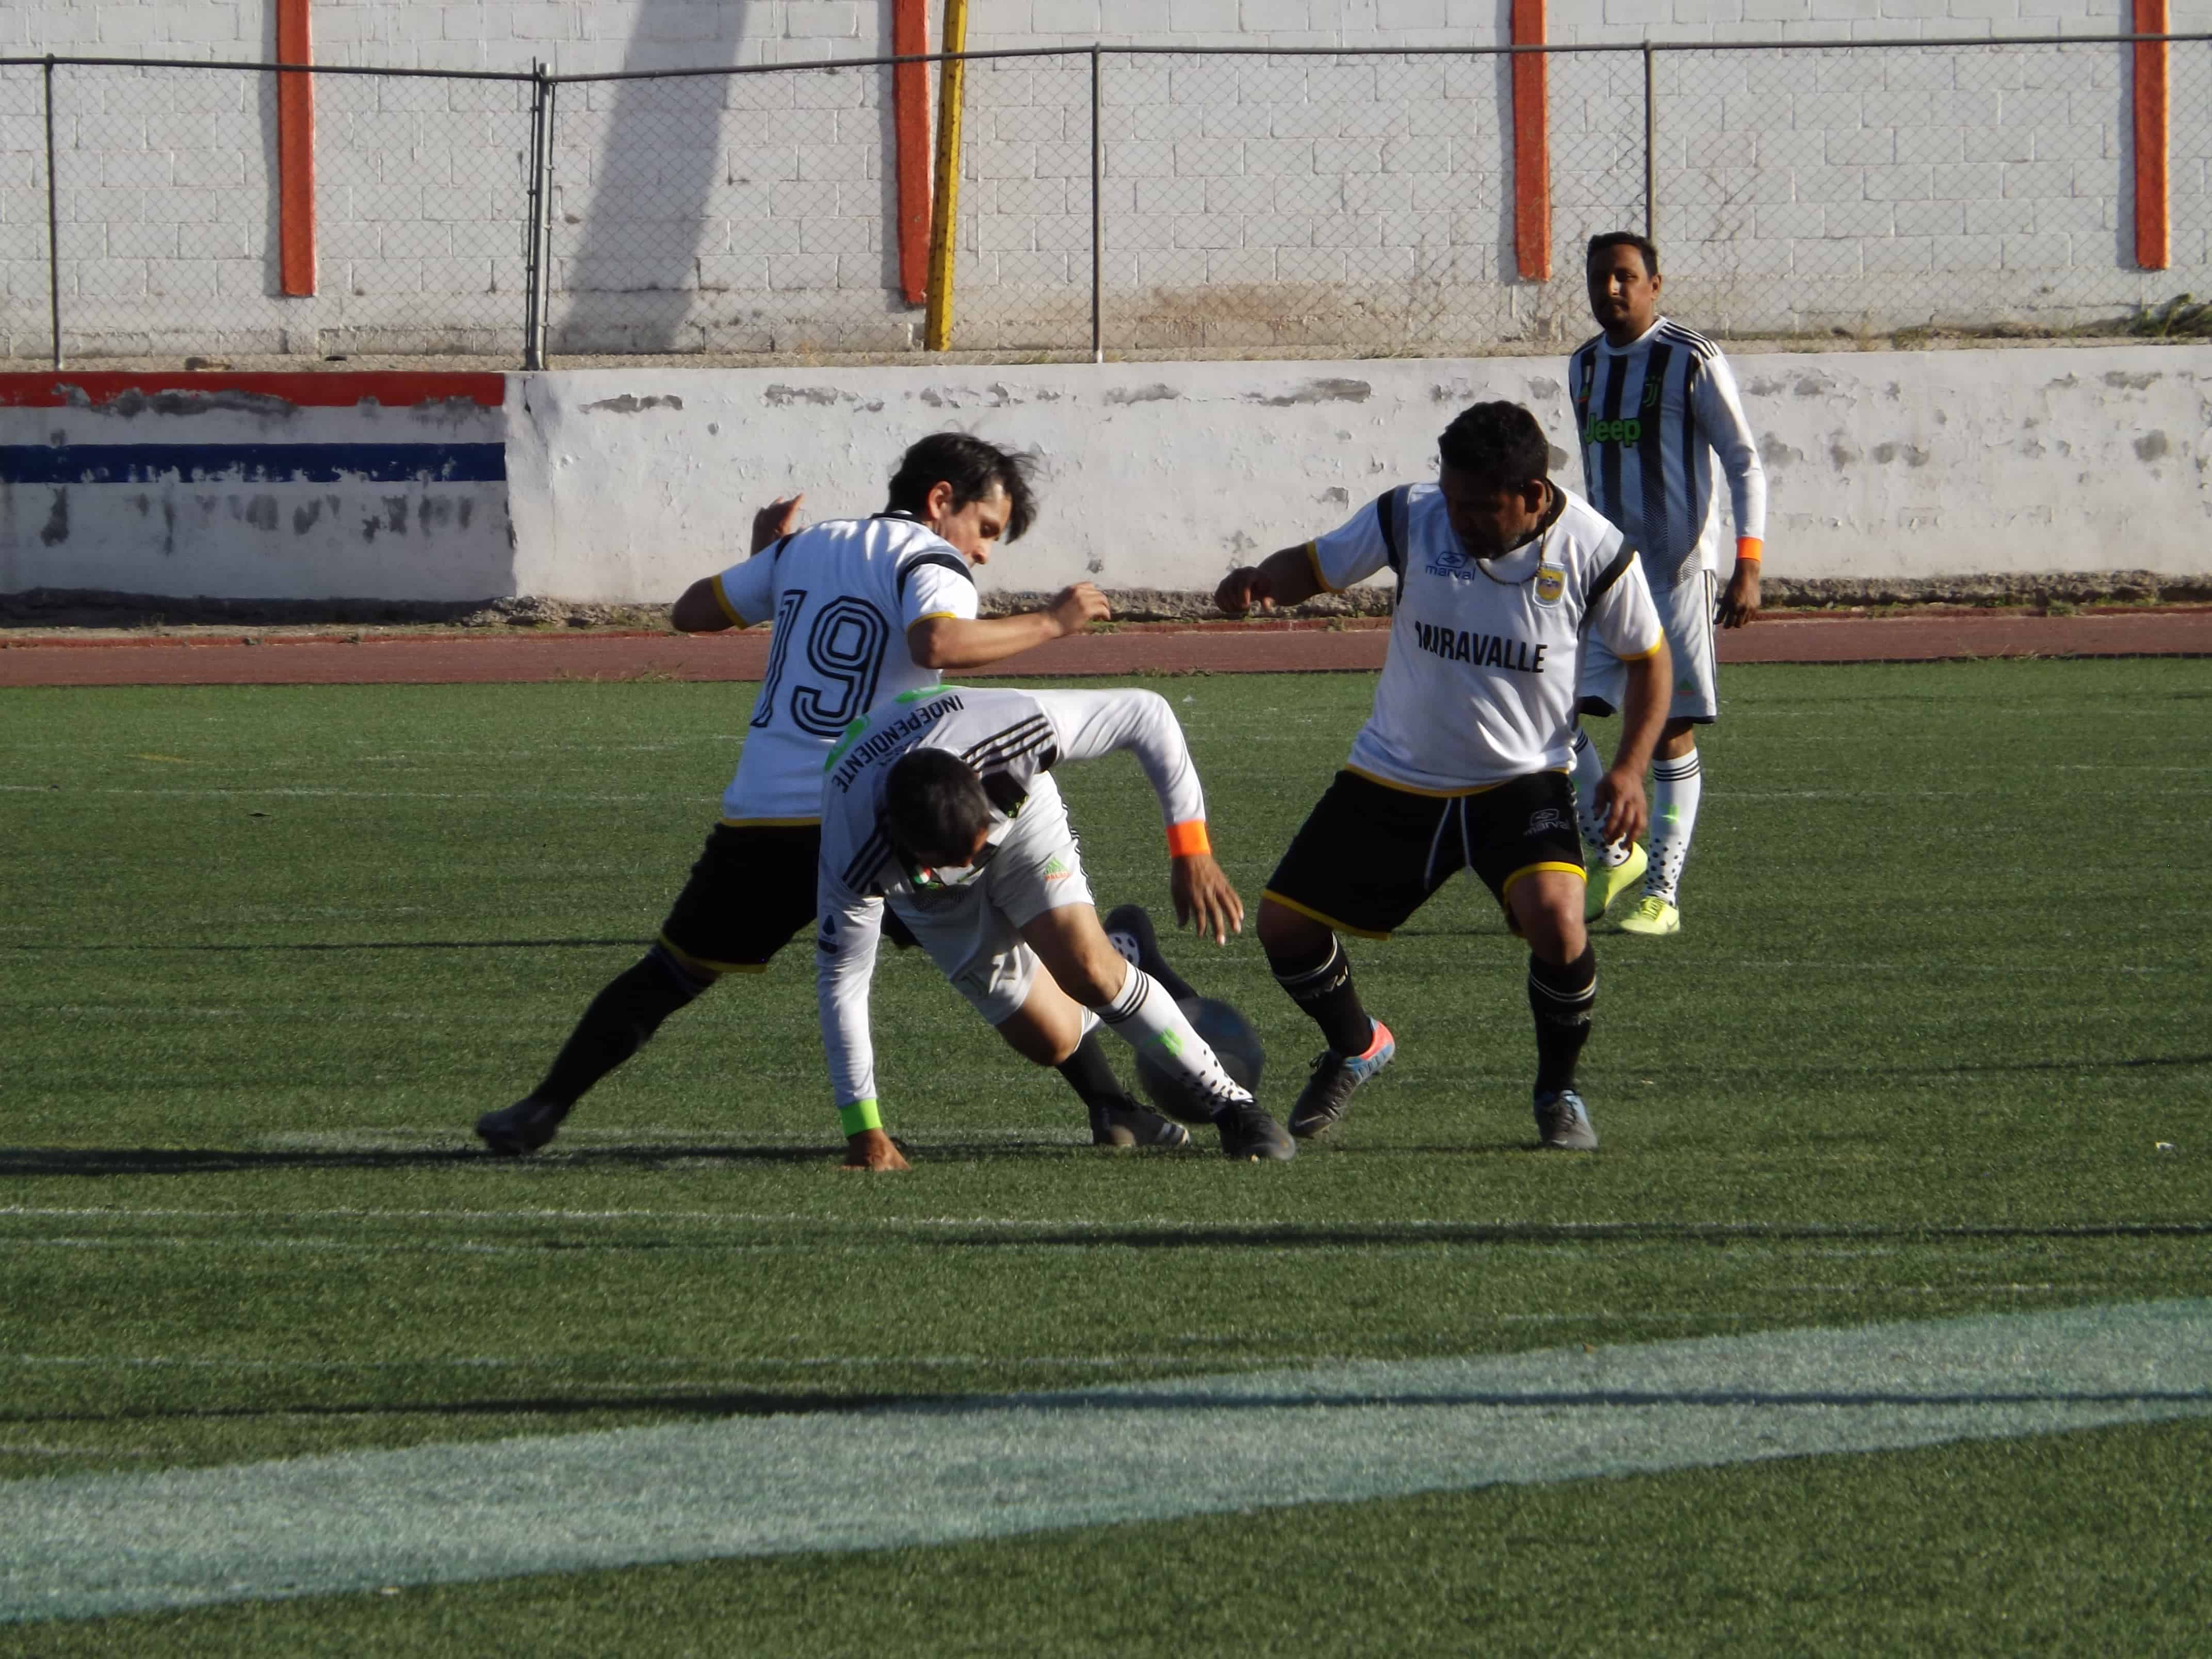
x=1655 y=404
x=941 y=805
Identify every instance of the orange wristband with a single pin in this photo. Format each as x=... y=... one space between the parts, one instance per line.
x=1188 y=838
x=1749 y=547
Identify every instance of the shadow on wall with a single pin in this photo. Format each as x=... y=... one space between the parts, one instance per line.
x=683 y=215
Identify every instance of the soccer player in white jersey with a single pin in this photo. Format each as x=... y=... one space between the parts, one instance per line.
x=942 y=805
x=864 y=609
x=1501 y=576
x=1654 y=403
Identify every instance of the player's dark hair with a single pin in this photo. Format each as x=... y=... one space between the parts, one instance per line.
x=1613 y=239
x=933 y=802
x=971 y=466
x=1495 y=446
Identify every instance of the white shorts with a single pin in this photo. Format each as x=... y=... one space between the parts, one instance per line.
x=973 y=933
x=1685 y=617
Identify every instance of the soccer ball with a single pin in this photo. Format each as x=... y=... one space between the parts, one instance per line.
x=1234 y=1043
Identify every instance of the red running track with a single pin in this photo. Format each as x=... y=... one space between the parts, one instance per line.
x=337 y=659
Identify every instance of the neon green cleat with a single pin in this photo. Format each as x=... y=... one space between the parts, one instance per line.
x=1605 y=886
x=1652 y=915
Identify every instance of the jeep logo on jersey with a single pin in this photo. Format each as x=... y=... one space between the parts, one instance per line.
x=1551 y=584
x=1612 y=432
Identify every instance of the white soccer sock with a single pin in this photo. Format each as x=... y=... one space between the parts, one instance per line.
x=1589 y=772
x=1675 y=786
x=1144 y=1015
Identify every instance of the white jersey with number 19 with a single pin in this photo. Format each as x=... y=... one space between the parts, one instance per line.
x=842 y=595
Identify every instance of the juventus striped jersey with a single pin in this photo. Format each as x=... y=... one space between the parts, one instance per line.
x=842 y=594
x=1478 y=685
x=1650 y=416
x=1013 y=739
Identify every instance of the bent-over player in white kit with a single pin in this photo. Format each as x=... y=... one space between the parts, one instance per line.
x=864 y=609
x=1501 y=575
x=1654 y=403
x=942 y=806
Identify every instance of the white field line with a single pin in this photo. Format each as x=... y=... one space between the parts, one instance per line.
x=994 y=1466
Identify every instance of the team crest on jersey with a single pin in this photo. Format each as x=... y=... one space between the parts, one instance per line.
x=1551 y=583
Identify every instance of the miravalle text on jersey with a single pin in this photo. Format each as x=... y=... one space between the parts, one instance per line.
x=1479 y=650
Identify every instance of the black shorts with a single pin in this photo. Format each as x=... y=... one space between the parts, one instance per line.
x=751 y=891
x=1368 y=856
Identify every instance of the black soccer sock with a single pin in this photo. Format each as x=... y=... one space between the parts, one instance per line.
x=621 y=1018
x=1561 y=996
x=1091 y=1076
x=1324 y=989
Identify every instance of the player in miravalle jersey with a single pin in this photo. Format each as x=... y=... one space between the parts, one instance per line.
x=1501 y=576
x=942 y=805
x=864 y=609
x=1654 y=402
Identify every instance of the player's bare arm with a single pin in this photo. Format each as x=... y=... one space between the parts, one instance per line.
x=954 y=642
x=1739 y=603
x=1620 y=792
x=1204 y=900
x=1283 y=578
x=872 y=1149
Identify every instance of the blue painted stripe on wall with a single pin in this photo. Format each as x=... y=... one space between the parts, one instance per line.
x=97 y=464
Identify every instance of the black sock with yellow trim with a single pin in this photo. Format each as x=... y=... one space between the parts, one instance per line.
x=620 y=1020
x=1324 y=989
x=1561 y=995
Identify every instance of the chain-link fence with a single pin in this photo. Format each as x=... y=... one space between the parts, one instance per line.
x=1113 y=201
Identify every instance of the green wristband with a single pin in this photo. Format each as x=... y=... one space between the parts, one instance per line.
x=860 y=1114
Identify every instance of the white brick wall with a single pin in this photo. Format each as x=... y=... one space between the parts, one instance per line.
x=1246 y=202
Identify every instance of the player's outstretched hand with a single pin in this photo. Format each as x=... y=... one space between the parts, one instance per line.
x=1739 y=604
x=779 y=518
x=872 y=1149
x=1075 y=608
x=1622 y=806
x=1243 y=588
x=1204 y=900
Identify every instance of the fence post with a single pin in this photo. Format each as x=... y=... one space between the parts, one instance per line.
x=532 y=248
x=1098 y=223
x=944 y=196
x=1651 y=147
x=53 y=224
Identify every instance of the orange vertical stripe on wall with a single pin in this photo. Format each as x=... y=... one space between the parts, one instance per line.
x=1532 y=146
x=910 y=98
x=296 y=150
x=2154 y=245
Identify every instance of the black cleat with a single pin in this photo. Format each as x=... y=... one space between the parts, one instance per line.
x=1328 y=1094
x=1564 y=1122
x=1129 y=1124
x=1247 y=1133
x=1129 y=928
x=522 y=1128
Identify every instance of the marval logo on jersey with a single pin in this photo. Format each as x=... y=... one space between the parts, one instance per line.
x=1450 y=562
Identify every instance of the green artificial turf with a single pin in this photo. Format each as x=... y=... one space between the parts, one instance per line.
x=267 y=951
